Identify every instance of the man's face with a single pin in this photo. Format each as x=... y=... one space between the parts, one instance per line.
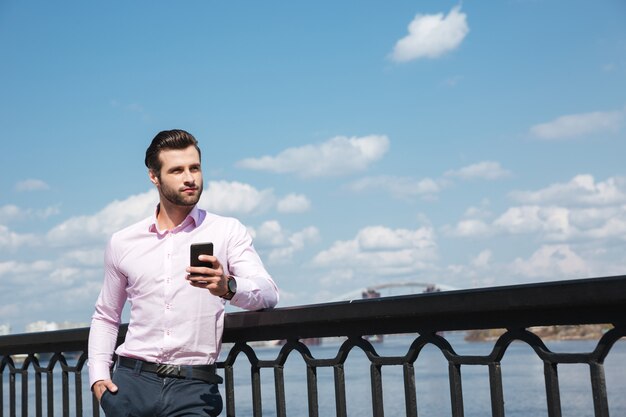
x=180 y=179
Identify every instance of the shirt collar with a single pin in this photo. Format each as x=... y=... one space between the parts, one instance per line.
x=192 y=218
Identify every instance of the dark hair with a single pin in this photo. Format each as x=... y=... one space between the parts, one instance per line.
x=168 y=139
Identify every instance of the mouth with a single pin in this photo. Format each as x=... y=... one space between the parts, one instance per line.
x=189 y=190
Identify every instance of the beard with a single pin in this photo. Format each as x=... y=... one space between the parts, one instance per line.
x=178 y=198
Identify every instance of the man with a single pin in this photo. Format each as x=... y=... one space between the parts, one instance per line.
x=166 y=365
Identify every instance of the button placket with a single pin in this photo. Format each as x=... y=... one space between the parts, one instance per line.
x=167 y=293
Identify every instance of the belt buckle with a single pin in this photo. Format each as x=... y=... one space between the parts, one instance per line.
x=168 y=370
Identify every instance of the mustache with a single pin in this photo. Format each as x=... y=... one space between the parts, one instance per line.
x=194 y=187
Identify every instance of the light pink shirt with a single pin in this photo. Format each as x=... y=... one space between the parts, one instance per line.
x=171 y=321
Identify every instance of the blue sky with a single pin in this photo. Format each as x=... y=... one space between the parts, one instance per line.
x=468 y=144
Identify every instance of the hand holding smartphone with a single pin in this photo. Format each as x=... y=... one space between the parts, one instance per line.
x=198 y=249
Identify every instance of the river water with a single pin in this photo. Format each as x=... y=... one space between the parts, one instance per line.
x=522 y=371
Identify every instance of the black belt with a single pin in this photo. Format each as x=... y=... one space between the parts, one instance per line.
x=201 y=372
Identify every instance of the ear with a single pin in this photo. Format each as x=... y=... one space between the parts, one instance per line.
x=153 y=178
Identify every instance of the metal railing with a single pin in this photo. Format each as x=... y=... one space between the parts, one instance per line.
x=513 y=308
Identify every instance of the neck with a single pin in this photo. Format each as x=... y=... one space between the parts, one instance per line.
x=171 y=215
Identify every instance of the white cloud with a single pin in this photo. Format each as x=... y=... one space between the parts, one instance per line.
x=10 y=212
x=380 y=250
x=283 y=243
x=550 y=223
x=85 y=257
x=270 y=233
x=10 y=240
x=338 y=156
x=399 y=187
x=431 y=36
x=234 y=197
x=553 y=221
x=34 y=269
x=481 y=212
x=293 y=203
x=468 y=228
x=612 y=227
x=100 y=226
x=582 y=189
x=47 y=212
x=31 y=185
x=374 y=238
x=546 y=262
x=296 y=242
x=551 y=262
x=487 y=170
x=44 y=287
x=579 y=209
x=220 y=196
x=65 y=276
x=573 y=125
x=483 y=259
x=571 y=230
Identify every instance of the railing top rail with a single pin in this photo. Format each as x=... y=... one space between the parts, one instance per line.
x=584 y=301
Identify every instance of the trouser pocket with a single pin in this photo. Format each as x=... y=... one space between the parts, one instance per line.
x=111 y=405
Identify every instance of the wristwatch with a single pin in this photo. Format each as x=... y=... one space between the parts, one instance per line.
x=232 y=288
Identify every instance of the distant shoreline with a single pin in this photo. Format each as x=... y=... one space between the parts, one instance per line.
x=577 y=332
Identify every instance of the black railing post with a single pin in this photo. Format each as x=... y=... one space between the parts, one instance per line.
x=279 y=388
x=410 y=393
x=339 y=374
x=377 y=390
x=497 y=393
x=95 y=406
x=50 y=390
x=552 y=389
x=311 y=378
x=229 y=381
x=598 y=387
x=12 y=399
x=255 y=379
x=456 y=389
x=65 y=384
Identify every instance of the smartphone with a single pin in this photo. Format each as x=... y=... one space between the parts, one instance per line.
x=198 y=249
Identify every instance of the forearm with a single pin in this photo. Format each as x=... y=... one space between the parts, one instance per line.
x=255 y=293
x=255 y=288
x=102 y=340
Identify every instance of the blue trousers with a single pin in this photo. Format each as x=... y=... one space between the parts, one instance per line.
x=145 y=394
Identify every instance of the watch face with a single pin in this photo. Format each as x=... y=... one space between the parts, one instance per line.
x=232 y=285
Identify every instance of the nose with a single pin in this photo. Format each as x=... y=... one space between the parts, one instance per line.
x=188 y=177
